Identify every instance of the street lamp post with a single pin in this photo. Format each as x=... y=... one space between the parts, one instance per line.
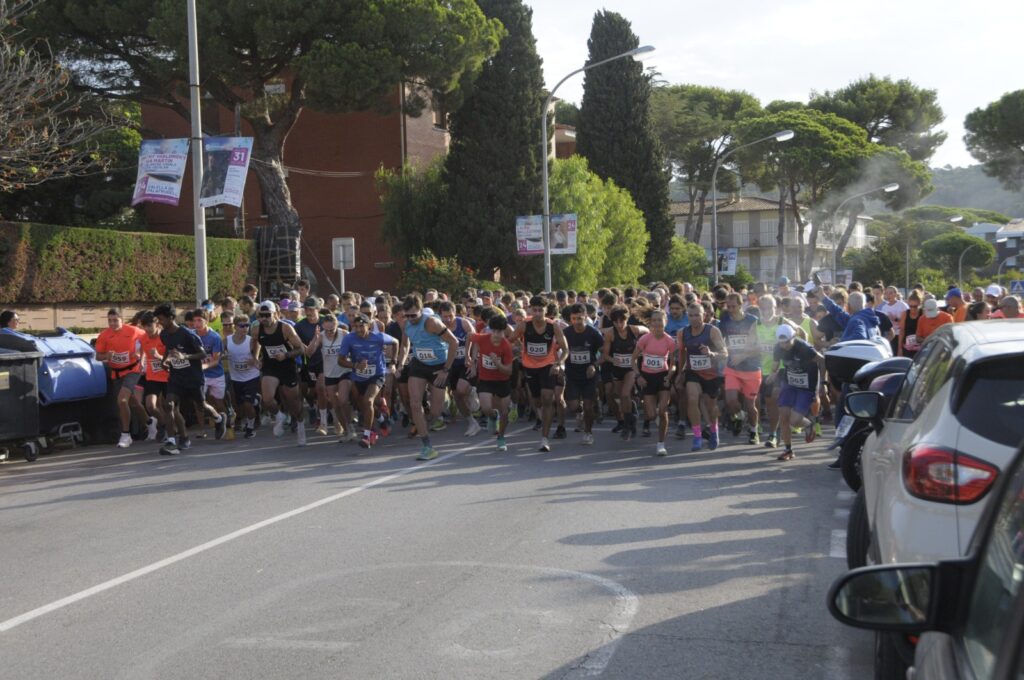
x=198 y=212
x=544 y=152
x=780 y=136
x=960 y=264
x=999 y=271
x=888 y=188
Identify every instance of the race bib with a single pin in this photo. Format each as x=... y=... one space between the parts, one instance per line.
x=536 y=349
x=700 y=362
x=738 y=341
x=368 y=372
x=180 y=363
x=912 y=342
x=623 y=360
x=579 y=357
x=460 y=353
x=768 y=347
x=425 y=354
x=156 y=366
x=799 y=380
x=330 y=351
x=487 y=363
x=275 y=351
x=119 y=357
x=654 y=363
x=240 y=366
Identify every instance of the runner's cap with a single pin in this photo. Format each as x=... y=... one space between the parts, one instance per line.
x=954 y=292
x=931 y=308
x=268 y=306
x=311 y=303
x=994 y=290
x=784 y=333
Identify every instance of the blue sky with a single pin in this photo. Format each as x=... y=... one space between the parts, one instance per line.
x=970 y=52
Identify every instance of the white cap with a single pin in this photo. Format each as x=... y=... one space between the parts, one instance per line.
x=268 y=306
x=931 y=308
x=994 y=290
x=784 y=332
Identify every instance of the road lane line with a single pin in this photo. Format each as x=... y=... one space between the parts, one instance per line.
x=837 y=548
x=12 y=623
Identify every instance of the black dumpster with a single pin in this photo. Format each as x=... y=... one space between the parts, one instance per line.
x=19 y=401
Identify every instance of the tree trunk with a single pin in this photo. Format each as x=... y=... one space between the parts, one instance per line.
x=780 y=236
x=847 y=233
x=268 y=164
x=800 y=226
x=698 y=227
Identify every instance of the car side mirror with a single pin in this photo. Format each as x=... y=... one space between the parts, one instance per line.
x=866 y=406
x=889 y=597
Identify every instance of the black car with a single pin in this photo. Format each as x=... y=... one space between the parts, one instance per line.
x=969 y=612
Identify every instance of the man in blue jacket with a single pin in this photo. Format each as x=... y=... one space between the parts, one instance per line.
x=860 y=323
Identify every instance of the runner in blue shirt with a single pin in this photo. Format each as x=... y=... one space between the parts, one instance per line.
x=363 y=351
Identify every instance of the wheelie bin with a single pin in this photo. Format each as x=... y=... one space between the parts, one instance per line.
x=19 y=402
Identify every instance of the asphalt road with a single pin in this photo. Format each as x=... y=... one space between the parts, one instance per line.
x=263 y=560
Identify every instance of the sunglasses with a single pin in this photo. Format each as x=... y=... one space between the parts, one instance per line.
x=240 y=325
x=265 y=315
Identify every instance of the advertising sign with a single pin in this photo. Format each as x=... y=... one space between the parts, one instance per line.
x=530 y=234
x=726 y=260
x=161 y=167
x=225 y=166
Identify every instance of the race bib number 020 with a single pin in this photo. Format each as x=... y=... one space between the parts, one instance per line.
x=536 y=349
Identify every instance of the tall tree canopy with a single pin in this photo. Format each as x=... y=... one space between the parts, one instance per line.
x=995 y=136
x=47 y=130
x=335 y=57
x=492 y=170
x=893 y=113
x=615 y=132
x=828 y=160
x=696 y=124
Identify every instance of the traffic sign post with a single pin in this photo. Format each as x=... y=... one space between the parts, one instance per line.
x=343 y=256
x=1017 y=287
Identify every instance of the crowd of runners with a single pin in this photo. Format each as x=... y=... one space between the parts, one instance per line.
x=652 y=360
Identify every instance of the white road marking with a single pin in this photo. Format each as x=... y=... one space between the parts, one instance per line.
x=846 y=496
x=837 y=547
x=841 y=513
x=288 y=645
x=9 y=624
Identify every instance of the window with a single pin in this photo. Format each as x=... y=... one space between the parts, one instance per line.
x=740 y=233
x=439 y=111
x=769 y=232
x=927 y=374
x=992 y=400
x=1000 y=571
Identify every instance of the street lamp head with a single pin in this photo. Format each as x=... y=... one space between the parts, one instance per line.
x=784 y=135
x=645 y=49
x=1000 y=240
x=889 y=188
x=957 y=218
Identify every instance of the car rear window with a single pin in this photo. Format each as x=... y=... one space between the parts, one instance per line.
x=992 y=400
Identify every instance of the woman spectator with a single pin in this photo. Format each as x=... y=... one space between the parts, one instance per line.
x=978 y=311
x=908 y=342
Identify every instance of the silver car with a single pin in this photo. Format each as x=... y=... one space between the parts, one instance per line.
x=937 y=453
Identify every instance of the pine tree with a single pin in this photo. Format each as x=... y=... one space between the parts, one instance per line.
x=615 y=132
x=492 y=169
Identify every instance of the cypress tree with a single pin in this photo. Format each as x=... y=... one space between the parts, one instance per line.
x=615 y=132
x=492 y=169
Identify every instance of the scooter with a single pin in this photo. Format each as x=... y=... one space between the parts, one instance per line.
x=885 y=376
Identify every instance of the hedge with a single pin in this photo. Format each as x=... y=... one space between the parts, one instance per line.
x=45 y=263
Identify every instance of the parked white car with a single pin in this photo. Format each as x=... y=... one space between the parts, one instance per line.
x=937 y=452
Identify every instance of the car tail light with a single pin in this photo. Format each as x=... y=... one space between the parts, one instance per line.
x=943 y=475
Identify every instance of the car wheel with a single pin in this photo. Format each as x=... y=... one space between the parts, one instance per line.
x=889 y=665
x=858 y=533
x=849 y=459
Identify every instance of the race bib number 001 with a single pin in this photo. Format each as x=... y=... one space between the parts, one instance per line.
x=579 y=357
x=700 y=362
x=655 y=363
x=623 y=360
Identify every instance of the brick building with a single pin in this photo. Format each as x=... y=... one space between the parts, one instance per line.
x=331 y=162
